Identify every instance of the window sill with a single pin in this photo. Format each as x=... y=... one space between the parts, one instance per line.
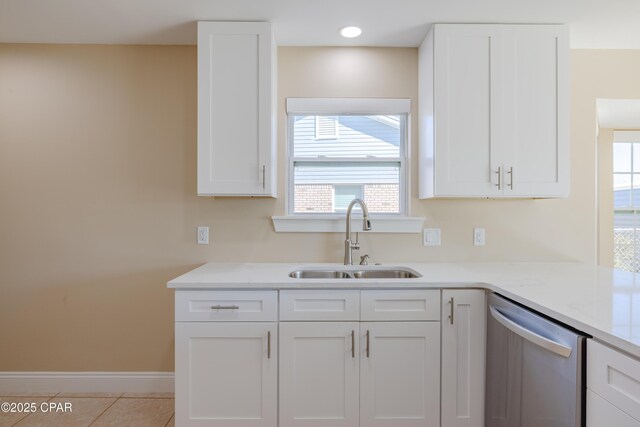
x=308 y=224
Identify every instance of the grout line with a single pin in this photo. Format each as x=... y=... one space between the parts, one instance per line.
x=31 y=413
x=105 y=410
x=147 y=397
x=170 y=418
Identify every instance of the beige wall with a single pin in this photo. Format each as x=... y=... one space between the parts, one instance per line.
x=97 y=185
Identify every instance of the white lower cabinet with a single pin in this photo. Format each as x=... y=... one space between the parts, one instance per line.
x=330 y=358
x=601 y=413
x=399 y=374
x=226 y=374
x=319 y=374
x=381 y=368
x=463 y=357
x=613 y=387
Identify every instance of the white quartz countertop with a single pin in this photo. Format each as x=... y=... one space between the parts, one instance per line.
x=602 y=302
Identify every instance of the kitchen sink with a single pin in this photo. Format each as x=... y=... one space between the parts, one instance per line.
x=385 y=274
x=380 y=273
x=320 y=274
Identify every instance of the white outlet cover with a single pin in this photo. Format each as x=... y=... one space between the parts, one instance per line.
x=478 y=236
x=203 y=235
x=431 y=237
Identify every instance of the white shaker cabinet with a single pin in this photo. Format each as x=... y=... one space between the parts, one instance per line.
x=319 y=374
x=377 y=364
x=236 y=109
x=226 y=359
x=399 y=374
x=613 y=387
x=463 y=357
x=493 y=118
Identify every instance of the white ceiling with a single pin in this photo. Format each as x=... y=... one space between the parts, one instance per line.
x=618 y=113
x=594 y=23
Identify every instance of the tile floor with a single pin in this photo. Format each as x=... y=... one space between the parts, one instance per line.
x=91 y=409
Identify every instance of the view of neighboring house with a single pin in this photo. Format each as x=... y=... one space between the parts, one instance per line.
x=337 y=158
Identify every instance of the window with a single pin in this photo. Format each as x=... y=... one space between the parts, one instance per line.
x=626 y=201
x=340 y=149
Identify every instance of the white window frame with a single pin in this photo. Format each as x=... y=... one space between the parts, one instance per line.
x=333 y=222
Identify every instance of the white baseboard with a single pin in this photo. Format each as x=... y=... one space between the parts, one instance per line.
x=104 y=382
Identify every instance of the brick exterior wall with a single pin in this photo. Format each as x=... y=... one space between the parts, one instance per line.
x=382 y=197
x=310 y=198
x=318 y=198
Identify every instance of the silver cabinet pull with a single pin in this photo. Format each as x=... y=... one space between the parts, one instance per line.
x=225 y=307
x=353 y=344
x=499 y=172
x=452 y=302
x=510 y=177
x=264 y=175
x=367 y=348
x=268 y=344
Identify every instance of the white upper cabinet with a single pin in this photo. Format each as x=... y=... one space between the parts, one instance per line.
x=236 y=109
x=494 y=111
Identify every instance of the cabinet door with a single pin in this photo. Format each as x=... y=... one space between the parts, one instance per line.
x=226 y=374
x=463 y=357
x=319 y=375
x=466 y=111
x=536 y=119
x=601 y=413
x=236 y=143
x=400 y=374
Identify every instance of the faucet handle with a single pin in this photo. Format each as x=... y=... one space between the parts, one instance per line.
x=364 y=259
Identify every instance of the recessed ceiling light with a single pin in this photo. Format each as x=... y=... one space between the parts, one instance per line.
x=350 y=32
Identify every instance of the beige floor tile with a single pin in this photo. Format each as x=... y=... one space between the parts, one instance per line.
x=148 y=395
x=137 y=413
x=83 y=411
x=10 y=418
x=88 y=394
x=172 y=422
x=27 y=394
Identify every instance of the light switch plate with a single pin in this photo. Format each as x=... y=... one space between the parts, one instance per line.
x=431 y=237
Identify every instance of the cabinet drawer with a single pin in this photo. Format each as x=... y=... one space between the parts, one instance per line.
x=601 y=413
x=615 y=377
x=400 y=305
x=320 y=305
x=224 y=306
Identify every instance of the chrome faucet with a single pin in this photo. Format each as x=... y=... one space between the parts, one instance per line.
x=366 y=226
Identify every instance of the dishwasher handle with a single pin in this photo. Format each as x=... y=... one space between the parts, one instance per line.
x=546 y=343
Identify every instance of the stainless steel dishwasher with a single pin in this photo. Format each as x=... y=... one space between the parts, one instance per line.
x=535 y=369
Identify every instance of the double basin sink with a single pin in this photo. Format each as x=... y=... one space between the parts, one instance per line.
x=355 y=273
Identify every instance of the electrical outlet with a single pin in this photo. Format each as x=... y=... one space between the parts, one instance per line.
x=431 y=237
x=478 y=236
x=203 y=235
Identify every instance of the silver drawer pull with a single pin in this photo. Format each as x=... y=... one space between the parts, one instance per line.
x=225 y=307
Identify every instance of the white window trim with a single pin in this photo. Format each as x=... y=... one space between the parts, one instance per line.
x=382 y=223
